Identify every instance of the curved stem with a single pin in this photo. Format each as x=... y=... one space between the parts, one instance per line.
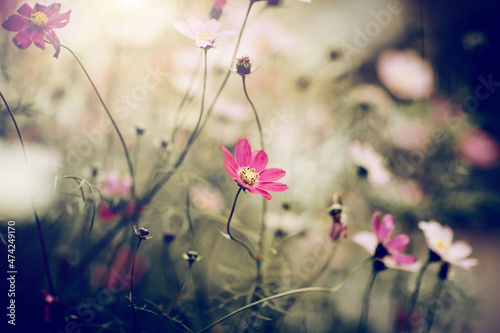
x=257 y=261
x=255 y=113
x=37 y=218
x=414 y=295
x=209 y=112
x=289 y=293
x=136 y=328
x=366 y=303
x=127 y=155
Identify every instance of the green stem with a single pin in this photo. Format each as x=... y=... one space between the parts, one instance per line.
x=366 y=303
x=257 y=261
x=431 y=310
x=289 y=293
x=136 y=327
x=127 y=155
x=45 y=257
x=414 y=295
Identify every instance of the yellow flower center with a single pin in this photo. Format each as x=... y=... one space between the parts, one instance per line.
x=249 y=176
x=39 y=19
x=204 y=36
x=442 y=246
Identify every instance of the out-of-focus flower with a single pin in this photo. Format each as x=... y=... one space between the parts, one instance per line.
x=206 y=198
x=49 y=301
x=339 y=219
x=479 y=149
x=142 y=233
x=113 y=186
x=439 y=239
x=36 y=24
x=285 y=223
x=406 y=74
x=217 y=7
x=204 y=34
x=383 y=247
x=408 y=134
x=370 y=164
x=248 y=170
x=116 y=276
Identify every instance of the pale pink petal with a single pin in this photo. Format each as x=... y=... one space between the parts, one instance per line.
x=202 y=43
x=258 y=191
x=22 y=39
x=38 y=38
x=196 y=25
x=274 y=187
x=25 y=10
x=126 y=187
x=446 y=235
x=211 y=26
x=258 y=160
x=229 y=158
x=271 y=174
x=224 y=34
x=386 y=228
x=51 y=36
x=367 y=240
x=184 y=29
x=16 y=23
x=411 y=267
x=242 y=153
x=466 y=263
x=59 y=21
x=398 y=243
x=460 y=250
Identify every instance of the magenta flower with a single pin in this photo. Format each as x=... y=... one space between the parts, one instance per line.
x=248 y=170
x=204 y=34
x=34 y=25
x=383 y=247
x=439 y=239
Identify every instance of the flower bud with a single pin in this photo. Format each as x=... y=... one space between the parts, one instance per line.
x=243 y=65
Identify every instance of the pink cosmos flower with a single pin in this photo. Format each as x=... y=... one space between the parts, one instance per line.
x=248 y=170
x=113 y=186
x=204 y=34
x=439 y=239
x=406 y=74
x=369 y=163
x=383 y=247
x=35 y=24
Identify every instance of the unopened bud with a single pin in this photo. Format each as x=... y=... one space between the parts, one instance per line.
x=243 y=65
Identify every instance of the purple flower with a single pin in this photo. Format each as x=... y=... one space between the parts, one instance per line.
x=383 y=247
x=204 y=34
x=36 y=24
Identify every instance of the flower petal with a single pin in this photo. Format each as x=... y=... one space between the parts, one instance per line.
x=271 y=174
x=16 y=23
x=195 y=25
x=230 y=158
x=202 y=43
x=402 y=258
x=258 y=160
x=59 y=21
x=184 y=29
x=466 y=263
x=398 y=243
x=258 y=191
x=271 y=186
x=211 y=26
x=51 y=36
x=231 y=171
x=224 y=34
x=22 y=39
x=386 y=228
x=52 y=10
x=38 y=38
x=25 y=10
x=242 y=153
x=460 y=250
x=376 y=222
x=367 y=240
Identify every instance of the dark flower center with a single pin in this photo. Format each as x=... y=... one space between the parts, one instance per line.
x=380 y=252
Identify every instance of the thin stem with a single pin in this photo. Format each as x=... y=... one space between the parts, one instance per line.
x=236 y=239
x=37 y=218
x=414 y=295
x=289 y=293
x=431 y=310
x=127 y=155
x=210 y=109
x=366 y=303
x=136 y=328
x=179 y=294
x=255 y=113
